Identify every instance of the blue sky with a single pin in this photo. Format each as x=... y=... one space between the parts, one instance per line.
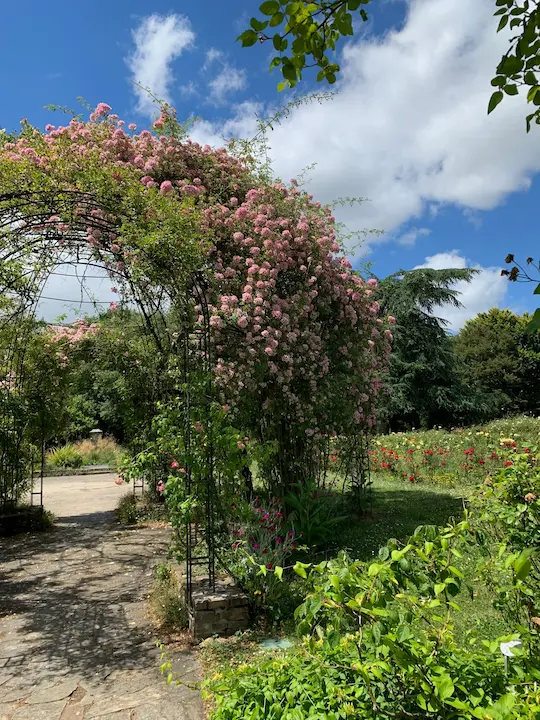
x=407 y=129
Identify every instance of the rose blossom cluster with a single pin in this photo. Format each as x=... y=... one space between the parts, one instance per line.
x=291 y=318
x=295 y=330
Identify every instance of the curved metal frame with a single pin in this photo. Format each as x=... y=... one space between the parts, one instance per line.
x=36 y=239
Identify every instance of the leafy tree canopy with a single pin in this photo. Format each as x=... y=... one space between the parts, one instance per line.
x=500 y=357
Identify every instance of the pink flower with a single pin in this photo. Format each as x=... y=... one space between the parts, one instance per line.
x=132 y=126
x=113 y=305
x=372 y=283
x=174 y=465
x=166 y=187
x=391 y=319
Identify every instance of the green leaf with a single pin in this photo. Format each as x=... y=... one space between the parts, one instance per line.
x=537 y=290
x=439 y=588
x=300 y=569
x=289 y=72
x=353 y=5
x=281 y=86
x=374 y=569
x=503 y=22
x=333 y=639
x=495 y=100
x=522 y=566
x=277 y=19
x=530 y=78
x=248 y=38
x=444 y=686
x=258 y=25
x=510 y=65
x=278 y=572
x=269 y=7
x=511 y=89
x=534 y=324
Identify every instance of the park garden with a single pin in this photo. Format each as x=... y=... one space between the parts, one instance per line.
x=336 y=452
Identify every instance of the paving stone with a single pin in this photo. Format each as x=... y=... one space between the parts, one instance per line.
x=4 y=710
x=109 y=705
x=73 y=712
x=19 y=692
x=48 y=711
x=55 y=692
x=75 y=640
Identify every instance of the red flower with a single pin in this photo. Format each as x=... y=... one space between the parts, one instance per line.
x=269 y=566
x=470 y=451
x=481 y=461
x=508 y=463
x=443 y=464
x=527 y=450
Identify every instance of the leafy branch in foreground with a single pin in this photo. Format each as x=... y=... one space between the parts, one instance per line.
x=519 y=65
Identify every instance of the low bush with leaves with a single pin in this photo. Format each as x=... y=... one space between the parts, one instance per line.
x=509 y=508
x=263 y=543
x=167 y=600
x=132 y=509
x=104 y=451
x=66 y=456
x=379 y=643
x=315 y=513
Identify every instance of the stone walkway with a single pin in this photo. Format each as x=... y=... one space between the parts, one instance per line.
x=75 y=641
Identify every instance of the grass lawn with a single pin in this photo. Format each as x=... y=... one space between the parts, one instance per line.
x=399 y=507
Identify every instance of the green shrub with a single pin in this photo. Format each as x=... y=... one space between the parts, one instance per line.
x=126 y=510
x=379 y=643
x=133 y=509
x=315 y=513
x=105 y=451
x=509 y=510
x=66 y=456
x=167 y=599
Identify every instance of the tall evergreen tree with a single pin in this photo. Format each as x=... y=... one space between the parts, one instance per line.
x=426 y=388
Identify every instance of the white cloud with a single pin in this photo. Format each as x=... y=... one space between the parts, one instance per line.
x=227 y=81
x=409 y=127
x=212 y=56
x=242 y=124
x=159 y=40
x=486 y=290
x=409 y=238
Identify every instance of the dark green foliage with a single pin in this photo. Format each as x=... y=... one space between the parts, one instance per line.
x=114 y=379
x=520 y=64
x=426 y=388
x=498 y=355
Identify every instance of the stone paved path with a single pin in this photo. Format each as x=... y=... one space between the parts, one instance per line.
x=75 y=642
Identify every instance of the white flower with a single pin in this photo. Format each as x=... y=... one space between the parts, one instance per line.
x=507 y=647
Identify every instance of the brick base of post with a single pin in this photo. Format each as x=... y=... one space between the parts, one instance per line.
x=223 y=611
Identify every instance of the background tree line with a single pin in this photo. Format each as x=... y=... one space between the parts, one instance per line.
x=491 y=368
